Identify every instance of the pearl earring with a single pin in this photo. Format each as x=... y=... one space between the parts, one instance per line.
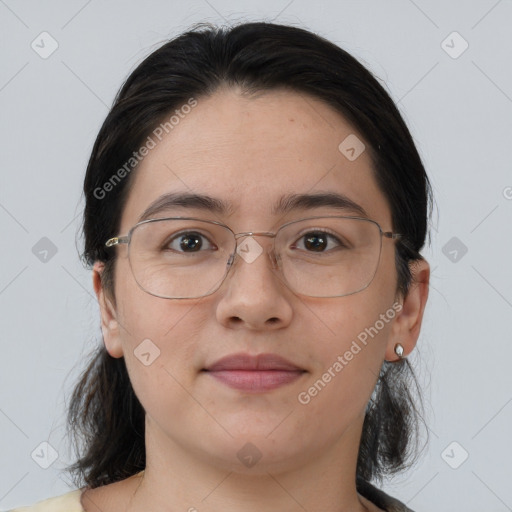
x=399 y=350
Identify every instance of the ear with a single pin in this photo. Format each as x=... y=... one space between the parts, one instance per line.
x=407 y=324
x=109 y=323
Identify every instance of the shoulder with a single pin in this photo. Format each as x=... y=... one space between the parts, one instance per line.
x=69 y=502
x=380 y=498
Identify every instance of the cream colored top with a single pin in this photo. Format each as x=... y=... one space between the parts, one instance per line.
x=69 y=502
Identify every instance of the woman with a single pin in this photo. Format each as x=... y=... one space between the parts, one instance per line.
x=255 y=208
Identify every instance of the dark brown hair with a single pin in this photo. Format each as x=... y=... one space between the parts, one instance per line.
x=105 y=419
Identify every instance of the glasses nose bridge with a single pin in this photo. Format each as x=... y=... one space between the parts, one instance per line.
x=255 y=233
x=271 y=252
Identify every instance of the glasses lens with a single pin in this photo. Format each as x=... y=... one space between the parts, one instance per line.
x=318 y=257
x=329 y=257
x=180 y=258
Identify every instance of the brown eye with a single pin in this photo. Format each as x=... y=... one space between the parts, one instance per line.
x=318 y=241
x=188 y=242
x=315 y=242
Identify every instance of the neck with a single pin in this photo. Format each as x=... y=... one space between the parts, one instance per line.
x=177 y=479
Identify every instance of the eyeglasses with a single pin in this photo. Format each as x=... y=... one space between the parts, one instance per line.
x=185 y=257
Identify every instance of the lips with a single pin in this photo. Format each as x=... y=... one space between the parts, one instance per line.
x=259 y=373
x=248 y=362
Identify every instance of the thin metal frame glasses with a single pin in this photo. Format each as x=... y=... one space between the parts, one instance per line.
x=349 y=268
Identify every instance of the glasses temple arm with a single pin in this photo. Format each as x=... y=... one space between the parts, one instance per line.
x=117 y=240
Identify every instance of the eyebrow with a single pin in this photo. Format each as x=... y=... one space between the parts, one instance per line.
x=285 y=204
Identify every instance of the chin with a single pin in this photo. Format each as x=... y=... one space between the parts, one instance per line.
x=256 y=453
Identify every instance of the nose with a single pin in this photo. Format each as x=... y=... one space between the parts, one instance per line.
x=253 y=294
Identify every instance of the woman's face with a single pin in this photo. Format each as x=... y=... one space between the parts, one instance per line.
x=249 y=153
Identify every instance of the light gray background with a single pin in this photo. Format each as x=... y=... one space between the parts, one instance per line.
x=460 y=113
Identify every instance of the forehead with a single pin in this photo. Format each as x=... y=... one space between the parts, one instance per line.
x=249 y=152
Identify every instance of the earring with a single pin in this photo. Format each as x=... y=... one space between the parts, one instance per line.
x=399 y=350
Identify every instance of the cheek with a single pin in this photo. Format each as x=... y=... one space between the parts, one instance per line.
x=160 y=355
x=159 y=339
x=143 y=316
x=351 y=337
